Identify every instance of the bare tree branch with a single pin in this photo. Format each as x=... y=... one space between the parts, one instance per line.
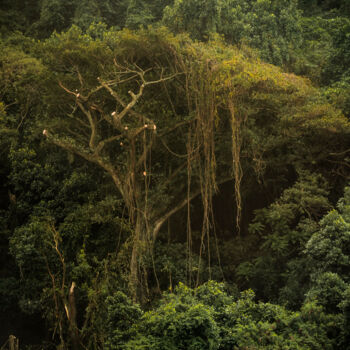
x=158 y=223
x=101 y=144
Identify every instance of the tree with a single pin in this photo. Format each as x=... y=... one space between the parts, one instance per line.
x=207 y=318
x=329 y=247
x=328 y=251
x=132 y=134
x=198 y=18
x=151 y=116
x=65 y=245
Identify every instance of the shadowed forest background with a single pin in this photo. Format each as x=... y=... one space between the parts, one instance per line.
x=174 y=174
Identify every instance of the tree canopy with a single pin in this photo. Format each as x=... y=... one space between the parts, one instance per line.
x=174 y=174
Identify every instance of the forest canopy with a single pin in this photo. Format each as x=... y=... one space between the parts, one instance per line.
x=174 y=174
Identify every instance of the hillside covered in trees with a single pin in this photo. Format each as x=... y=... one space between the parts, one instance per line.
x=175 y=174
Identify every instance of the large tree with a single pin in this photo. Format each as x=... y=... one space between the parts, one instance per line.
x=164 y=117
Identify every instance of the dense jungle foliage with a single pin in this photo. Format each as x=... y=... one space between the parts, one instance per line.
x=175 y=174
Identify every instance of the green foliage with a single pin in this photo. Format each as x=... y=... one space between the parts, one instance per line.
x=181 y=322
x=338 y=93
x=329 y=254
x=42 y=18
x=112 y=13
x=208 y=318
x=336 y=6
x=17 y=15
x=55 y=15
x=336 y=74
x=32 y=182
x=121 y=316
x=340 y=55
x=272 y=27
x=324 y=53
x=55 y=204
x=329 y=247
x=313 y=56
x=283 y=229
x=31 y=247
x=328 y=289
x=138 y=14
x=345 y=307
x=199 y=18
x=20 y=76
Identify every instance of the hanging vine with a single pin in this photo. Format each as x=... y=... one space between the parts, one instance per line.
x=236 y=130
x=201 y=150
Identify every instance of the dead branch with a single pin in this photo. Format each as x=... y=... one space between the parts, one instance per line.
x=117 y=117
x=101 y=144
x=159 y=222
x=92 y=124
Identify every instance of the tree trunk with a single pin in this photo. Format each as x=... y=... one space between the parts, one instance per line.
x=139 y=250
x=145 y=234
x=13 y=343
x=71 y=312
